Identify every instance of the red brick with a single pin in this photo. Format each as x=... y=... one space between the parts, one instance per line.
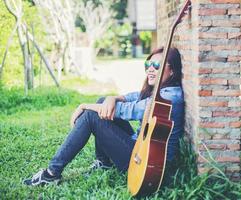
x=235 y=81
x=213 y=103
x=206 y=12
x=227 y=70
x=204 y=71
x=234 y=58
x=204 y=48
x=212 y=35
x=205 y=23
x=227 y=114
x=228 y=159
x=231 y=93
x=234 y=11
x=213 y=81
x=227 y=23
x=233 y=146
x=235 y=124
x=212 y=125
x=212 y=58
x=217 y=146
x=226 y=47
x=205 y=92
x=234 y=35
x=234 y=104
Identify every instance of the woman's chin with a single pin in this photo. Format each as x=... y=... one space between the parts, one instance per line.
x=151 y=82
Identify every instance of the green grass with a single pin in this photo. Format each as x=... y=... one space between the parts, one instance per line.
x=32 y=128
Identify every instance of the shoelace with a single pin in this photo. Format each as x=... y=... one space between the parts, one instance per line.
x=96 y=163
x=37 y=175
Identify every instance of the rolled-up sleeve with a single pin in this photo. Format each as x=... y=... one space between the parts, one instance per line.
x=133 y=110
x=133 y=96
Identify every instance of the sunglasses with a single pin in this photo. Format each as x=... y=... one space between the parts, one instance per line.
x=149 y=63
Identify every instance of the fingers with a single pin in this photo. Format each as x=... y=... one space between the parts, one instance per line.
x=103 y=112
x=112 y=114
x=106 y=112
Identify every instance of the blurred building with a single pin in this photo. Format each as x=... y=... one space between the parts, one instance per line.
x=142 y=14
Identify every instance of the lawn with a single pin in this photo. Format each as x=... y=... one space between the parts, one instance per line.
x=32 y=128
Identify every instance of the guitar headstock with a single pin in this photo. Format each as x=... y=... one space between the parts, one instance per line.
x=183 y=12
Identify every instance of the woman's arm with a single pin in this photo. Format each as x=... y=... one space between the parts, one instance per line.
x=132 y=96
x=78 y=111
x=106 y=110
x=133 y=110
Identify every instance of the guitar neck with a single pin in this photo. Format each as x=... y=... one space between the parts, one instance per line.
x=156 y=93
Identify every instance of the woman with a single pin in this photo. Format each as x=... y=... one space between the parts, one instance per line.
x=108 y=121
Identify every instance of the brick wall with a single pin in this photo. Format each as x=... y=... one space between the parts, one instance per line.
x=209 y=39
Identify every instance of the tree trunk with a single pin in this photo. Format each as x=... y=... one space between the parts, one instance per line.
x=24 y=48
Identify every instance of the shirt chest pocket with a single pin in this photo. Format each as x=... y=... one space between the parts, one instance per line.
x=175 y=96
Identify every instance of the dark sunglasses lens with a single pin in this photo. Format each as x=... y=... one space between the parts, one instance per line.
x=156 y=65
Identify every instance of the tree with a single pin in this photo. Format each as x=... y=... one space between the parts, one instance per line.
x=59 y=19
x=16 y=9
x=96 y=18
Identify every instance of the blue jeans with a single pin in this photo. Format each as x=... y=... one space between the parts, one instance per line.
x=113 y=141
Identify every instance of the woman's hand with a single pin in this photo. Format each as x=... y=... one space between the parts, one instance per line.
x=107 y=108
x=76 y=114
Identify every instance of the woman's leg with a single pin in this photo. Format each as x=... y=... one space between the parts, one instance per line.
x=75 y=141
x=99 y=152
x=115 y=142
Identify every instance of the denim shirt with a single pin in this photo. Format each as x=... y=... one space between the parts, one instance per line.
x=133 y=109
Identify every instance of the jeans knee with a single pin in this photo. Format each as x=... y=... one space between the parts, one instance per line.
x=90 y=115
x=101 y=100
x=86 y=115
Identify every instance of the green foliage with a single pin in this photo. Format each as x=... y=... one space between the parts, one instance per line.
x=32 y=129
x=120 y=9
x=118 y=6
x=118 y=36
x=145 y=37
x=13 y=69
x=14 y=100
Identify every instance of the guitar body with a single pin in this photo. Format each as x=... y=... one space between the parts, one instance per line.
x=147 y=165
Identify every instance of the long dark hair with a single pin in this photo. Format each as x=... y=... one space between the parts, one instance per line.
x=174 y=60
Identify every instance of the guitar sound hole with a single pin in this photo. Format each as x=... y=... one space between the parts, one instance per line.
x=145 y=131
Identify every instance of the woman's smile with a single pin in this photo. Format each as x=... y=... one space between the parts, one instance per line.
x=151 y=76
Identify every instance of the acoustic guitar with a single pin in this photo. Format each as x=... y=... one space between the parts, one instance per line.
x=148 y=159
